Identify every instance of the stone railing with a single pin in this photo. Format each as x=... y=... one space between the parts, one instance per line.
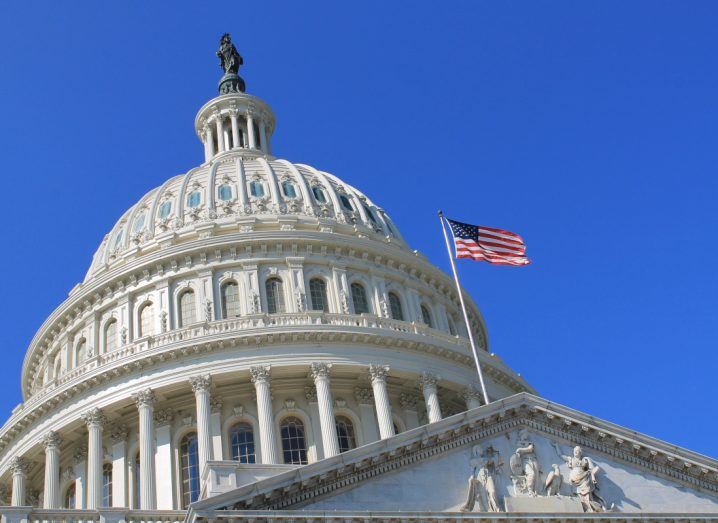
x=105 y=515
x=246 y=325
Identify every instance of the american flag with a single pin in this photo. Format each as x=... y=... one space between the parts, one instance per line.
x=488 y=244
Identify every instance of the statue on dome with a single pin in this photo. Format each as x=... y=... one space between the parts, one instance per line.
x=229 y=61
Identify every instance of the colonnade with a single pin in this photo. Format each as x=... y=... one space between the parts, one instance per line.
x=372 y=402
x=238 y=132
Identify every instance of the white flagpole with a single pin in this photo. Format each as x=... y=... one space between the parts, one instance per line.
x=463 y=308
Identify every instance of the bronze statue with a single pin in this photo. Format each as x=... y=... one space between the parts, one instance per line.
x=229 y=61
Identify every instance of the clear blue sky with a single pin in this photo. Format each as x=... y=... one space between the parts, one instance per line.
x=588 y=127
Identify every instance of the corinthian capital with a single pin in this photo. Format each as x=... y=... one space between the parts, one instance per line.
x=144 y=398
x=378 y=372
x=94 y=417
x=19 y=465
x=320 y=370
x=260 y=373
x=51 y=440
x=201 y=383
x=427 y=379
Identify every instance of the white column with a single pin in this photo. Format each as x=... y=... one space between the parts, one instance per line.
x=200 y=386
x=235 y=130
x=20 y=467
x=267 y=438
x=472 y=397
x=52 y=441
x=215 y=427
x=310 y=393
x=365 y=398
x=427 y=382
x=250 y=131
x=164 y=497
x=263 y=137
x=330 y=442
x=378 y=374
x=209 y=142
x=95 y=420
x=145 y=405
x=410 y=402
x=220 y=134
x=118 y=435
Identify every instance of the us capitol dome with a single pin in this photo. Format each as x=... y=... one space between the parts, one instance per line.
x=255 y=341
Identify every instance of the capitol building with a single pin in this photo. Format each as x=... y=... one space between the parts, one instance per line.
x=254 y=341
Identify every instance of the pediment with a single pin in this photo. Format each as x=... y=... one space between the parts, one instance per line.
x=430 y=469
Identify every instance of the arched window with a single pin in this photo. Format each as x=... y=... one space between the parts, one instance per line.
x=107 y=485
x=189 y=468
x=188 y=311
x=70 y=496
x=361 y=305
x=225 y=192
x=426 y=316
x=139 y=223
x=452 y=326
x=344 y=199
x=256 y=188
x=193 y=199
x=318 y=294
x=288 y=188
x=81 y=352
x=136 y=482
x=294 y=445
x=371 y=216
x=395 y=309
x=230 y=300
x=345 y=434
x=318 y=193
x=275 y=295
x=241 y=438
x=111 y=336
x=165 y=209
x=146 y=319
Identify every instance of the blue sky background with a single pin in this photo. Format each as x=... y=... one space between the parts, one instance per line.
x=588 y=127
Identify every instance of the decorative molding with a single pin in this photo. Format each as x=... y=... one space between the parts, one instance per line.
x=320 y=370
x=378 y=372
x=144 y=398
x=20 y=465
x=164 y=416
x=364 y=395
x=427 y=380
x=215 y=403
x=51 y=441
x=260 y=374
x=409 y=401
x=201 y=383
x=94 y=417
x=119 y=433
x=310 y=392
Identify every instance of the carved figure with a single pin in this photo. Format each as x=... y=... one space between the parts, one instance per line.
x=229 y=58
x=583 y=478
x=482 y=486
x=524 y=466
x=553 y=481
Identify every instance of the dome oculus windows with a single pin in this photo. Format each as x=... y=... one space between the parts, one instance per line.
x=193 y=199
x=256 y=188
x=346 y=203
x=139 y=223
x=288 y=188
x=225 y=192
x=319 y=195
x=165 y=209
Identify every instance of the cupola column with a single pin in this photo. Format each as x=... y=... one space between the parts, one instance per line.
x=250 y=131
x=378 y=374
x=201 y=386
x=427 y=382
x=220 y=133
x=20 y=467
x=209 y=142
x=320 y=373
x=267 y=437
x=236 y=142
x=95 y=421
x=52 y=441
x=145 y=405
x=263 y=137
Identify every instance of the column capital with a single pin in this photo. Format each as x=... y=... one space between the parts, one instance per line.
x=408 y=401
x=94 y=417
x=119 y=433
x=20 y=465
x=378 y=372
x=51 y=441
x=320 y=370
x=144 y=398
x=364 y=395
x=260 y=373
x=427 y=379
x=471 y=394
x=201 y=383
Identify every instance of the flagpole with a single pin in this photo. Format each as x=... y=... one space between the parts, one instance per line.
x=463 y=308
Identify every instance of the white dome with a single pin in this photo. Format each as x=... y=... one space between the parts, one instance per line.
x=245 y=191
